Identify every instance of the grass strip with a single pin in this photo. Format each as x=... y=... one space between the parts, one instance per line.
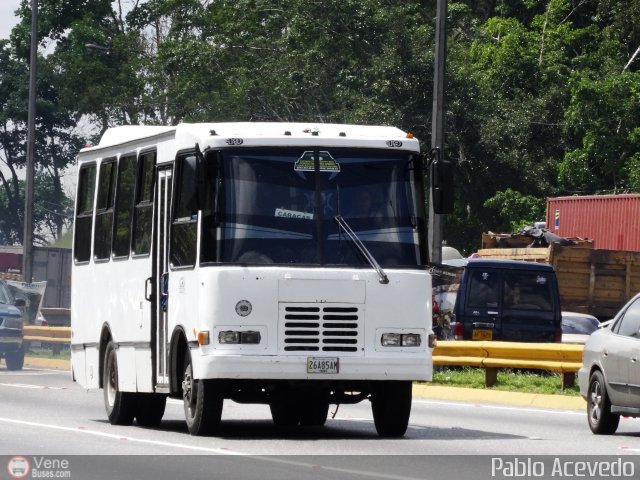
x=512 y=380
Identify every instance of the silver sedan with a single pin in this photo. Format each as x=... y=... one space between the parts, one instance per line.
x=610 y=374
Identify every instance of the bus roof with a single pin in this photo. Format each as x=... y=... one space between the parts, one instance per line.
x=216 y=135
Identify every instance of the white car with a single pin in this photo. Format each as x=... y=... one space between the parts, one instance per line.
x=610 y=378
x=576 y=327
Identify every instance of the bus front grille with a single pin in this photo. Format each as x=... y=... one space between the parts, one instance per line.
x=325 y=328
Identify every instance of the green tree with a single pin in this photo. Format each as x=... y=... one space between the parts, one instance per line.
x=55 y=144
x=542 y=96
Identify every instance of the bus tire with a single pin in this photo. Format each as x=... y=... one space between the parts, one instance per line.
x=15 y=360
x=120 y=406
x=314 y=411
x=285 y=412
x=150 y=409
x=391 y=406
x=202 y=402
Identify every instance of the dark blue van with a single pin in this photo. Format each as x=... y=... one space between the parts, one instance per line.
x=508 y=300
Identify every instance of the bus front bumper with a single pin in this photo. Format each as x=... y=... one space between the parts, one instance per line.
x=417 y=368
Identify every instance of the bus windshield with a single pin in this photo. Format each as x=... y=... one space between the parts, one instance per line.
x=279 y=207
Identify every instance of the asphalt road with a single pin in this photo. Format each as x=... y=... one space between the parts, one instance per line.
x=43 y=414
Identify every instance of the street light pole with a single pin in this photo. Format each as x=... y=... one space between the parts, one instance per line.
x=27 y=243
x=437 y=125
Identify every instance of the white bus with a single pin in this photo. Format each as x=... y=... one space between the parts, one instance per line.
x=271 y=263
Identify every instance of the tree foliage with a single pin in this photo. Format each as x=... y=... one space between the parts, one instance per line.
x=543 y=97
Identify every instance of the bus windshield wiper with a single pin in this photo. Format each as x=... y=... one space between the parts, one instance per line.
x=342 y=223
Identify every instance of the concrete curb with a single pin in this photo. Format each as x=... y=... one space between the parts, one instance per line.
x=425 y=390
x=52 y=363
x=483 y=395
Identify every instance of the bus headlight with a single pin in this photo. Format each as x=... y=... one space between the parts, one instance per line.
x=410 y=340
x=250 y=337
x=229 y=336
x=391 y=339
x=400 y=340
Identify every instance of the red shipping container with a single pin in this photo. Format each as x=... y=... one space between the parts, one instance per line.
x=611 y=221
x=10 y=261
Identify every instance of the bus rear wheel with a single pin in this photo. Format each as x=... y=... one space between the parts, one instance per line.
x=202 y=401
x=391 y=406
x=120 y=406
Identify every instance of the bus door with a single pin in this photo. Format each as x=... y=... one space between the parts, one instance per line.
x=161 y=272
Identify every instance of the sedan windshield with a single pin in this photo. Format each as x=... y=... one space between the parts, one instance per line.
x=280 y=207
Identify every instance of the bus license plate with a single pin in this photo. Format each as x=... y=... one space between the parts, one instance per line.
x=482 y=335
x=322 y=365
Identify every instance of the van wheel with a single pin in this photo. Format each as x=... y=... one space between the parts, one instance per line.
x=391 y=406
x=202 y=401
x=150 y=409
x=601 y=420
x=120 y=406
x=15 y=360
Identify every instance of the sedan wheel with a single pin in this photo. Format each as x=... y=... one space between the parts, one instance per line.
x=601 y=420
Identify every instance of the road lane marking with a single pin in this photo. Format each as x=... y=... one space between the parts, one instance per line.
x=219 y=451
x=27 y=385
x=96 y=433
x=501 y=407
x=23 y=373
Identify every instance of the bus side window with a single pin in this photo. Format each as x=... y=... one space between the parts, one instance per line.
x=123 y=205
x=143 y=211
x=185 y=214
x=104 y=210
x=84 y=213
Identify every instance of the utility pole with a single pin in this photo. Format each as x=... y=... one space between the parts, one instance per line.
x=27 y=242
x=437 y=125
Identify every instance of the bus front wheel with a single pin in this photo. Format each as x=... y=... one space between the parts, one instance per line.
x=120 y=406
x=391 y=406
x=202 y=402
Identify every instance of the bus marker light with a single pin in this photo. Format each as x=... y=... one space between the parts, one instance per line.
x=203 y=338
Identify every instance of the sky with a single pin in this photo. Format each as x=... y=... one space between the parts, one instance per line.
x=7 y=16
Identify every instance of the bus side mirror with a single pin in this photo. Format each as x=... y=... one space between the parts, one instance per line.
x=192 y=184
x=441 y=173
